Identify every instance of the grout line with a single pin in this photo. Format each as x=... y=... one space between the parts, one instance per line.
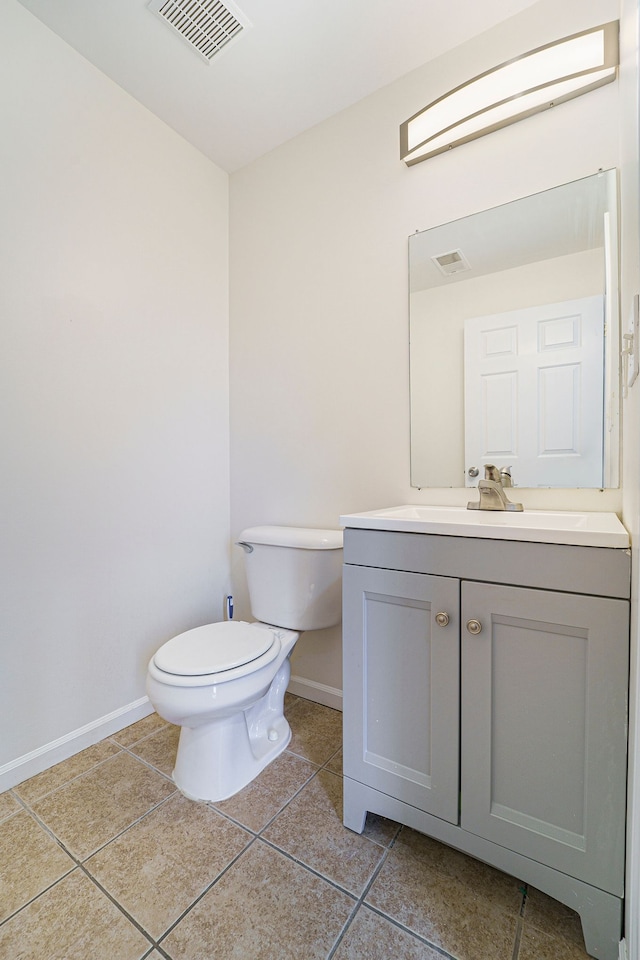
x=525 y=895
x=416 y=936
x=14 y=796
x=344 y=930
x=67 y=783
x=393 y=842
x=309 y=869
x=374 y=876
x=392 y=920
x=289 y=801
x=23 y=804
x=520 y=922
x=119 y=906
x=359 y=904
x=301 y=756
x=205 y=892
x=230 y=819
x=298 y=791
x=78 y=862
x=149 y=765
x=128 y=827
x=47 y=829
x=518 y=937
x=78 y=859
x=160 y=950
x=257 y=833
x=23 y=906
x=332 y=757
x=134 y=743
x=120 y=748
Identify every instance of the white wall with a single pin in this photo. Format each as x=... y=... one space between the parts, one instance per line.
x=114 y=376
x=319 y=300
x=630 y=285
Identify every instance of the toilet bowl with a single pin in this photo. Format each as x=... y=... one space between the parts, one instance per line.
x=224 y=683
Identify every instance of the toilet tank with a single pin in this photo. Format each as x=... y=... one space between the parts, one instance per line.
x=294 y=575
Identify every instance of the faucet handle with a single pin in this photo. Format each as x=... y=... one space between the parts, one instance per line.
x=491 y=472
x=505 y=476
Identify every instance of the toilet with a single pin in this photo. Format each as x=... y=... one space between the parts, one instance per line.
x=224 y=683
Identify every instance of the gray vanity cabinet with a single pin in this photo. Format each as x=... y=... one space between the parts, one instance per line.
x=485 y=704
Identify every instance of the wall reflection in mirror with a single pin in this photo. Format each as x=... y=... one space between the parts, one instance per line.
x=514 y=330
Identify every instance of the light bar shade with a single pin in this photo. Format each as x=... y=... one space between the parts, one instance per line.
x=529 y=84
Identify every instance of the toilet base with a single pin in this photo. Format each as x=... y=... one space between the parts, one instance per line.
x=216 y=760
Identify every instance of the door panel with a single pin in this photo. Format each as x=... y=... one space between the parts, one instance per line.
x=401 y=686
x=534 y=389
x=544 y=711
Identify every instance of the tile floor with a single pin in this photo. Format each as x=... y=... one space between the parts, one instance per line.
x=101 y=857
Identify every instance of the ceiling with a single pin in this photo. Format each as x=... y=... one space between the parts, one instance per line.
x=295 y=64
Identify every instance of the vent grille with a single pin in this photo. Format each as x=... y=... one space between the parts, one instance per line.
x=206 y=25
x=452 y=262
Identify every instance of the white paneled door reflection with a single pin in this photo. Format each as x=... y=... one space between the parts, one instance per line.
x=534 y=388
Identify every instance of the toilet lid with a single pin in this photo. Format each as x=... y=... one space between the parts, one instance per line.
x=213 y=648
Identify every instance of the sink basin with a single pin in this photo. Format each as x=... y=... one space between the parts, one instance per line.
x=540 y=526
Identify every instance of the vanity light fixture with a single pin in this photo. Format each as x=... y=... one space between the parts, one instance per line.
x=517 y=89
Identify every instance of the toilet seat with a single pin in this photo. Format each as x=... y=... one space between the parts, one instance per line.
x=231 y=648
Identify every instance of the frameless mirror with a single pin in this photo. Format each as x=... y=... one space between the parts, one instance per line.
x=514 y=342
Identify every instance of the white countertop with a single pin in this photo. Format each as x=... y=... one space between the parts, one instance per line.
x=539 y=526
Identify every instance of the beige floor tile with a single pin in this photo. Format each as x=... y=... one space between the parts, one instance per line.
x=289 y=700
x=8 y=805
x=71 y=921
x=324 y=794
x=316 y=731
x=136 y=731
x=160 y=749
x=95 y=807
x=335 y=763
x=447 y=913
x=552 y=917
x=30 y=861
x=160 y=865
x=267 y=907
x=536 y=945
x=375 y=938
x=380 y=830
x=311 y=830
x=55 y=777
x=499 y=888
x=260 y=801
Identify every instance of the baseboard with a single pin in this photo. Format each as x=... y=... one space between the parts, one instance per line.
x=318 y=692
x=61 y=749
x=54 y=752
x=622 y=950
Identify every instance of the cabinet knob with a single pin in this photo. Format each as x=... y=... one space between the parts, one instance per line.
x=474 y=627
x=442 y=619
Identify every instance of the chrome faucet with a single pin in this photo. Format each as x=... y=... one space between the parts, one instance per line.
x=491 y=490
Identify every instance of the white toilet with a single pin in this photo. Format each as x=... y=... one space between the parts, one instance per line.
x=224 y=683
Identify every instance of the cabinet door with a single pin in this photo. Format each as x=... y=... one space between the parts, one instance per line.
x=401 y=686
x=544 y=708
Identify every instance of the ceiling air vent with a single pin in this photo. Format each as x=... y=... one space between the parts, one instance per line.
x=452 y=262
x=206 y=25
